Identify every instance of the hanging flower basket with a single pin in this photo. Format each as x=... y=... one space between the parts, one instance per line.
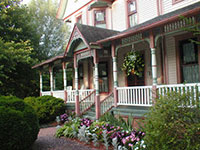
x=133 y=63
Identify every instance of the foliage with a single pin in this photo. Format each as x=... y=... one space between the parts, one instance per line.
x=133 y=63
x=46 y=107
x=110 y=118
x=18 y=121
x=16 y=51
x=70 y=128
x=101 y=131
x=53 y=33
x=172 y=124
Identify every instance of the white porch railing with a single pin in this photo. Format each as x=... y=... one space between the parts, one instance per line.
x=59 y=94
x=84 y=93
x=135 y=96
x=71 y=96
x=87 y=102
x=46 y=93
x=193 y=88
x=107 y=103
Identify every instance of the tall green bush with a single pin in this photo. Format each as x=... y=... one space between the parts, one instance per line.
x=18 y=124
x=173 y=125
x=46 y=107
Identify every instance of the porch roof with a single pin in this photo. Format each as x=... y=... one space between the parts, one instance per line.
x=155 y=22
x=93 y=34
x=51 y=60
x=89 y=34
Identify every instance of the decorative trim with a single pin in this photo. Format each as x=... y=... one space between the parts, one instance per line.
x=179 y=24
x=176 y=1
x=132 y=38
x=85 y=54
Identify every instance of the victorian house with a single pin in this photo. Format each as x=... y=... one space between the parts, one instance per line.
x=103 y=33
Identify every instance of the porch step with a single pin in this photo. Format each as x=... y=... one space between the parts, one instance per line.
x=135 y=111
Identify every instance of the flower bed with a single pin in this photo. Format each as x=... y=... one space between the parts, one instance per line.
x=102 y=132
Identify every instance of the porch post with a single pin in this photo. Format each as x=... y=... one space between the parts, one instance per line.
x=154 y=67
x=64 y=81
x=40 y=83
x=115 y=75
x=51 y=79
x=97 y=96
x=77 y=105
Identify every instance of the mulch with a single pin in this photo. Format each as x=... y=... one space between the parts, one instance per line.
x=47 y=141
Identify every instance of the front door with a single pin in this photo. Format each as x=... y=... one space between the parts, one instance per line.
x=133 y=80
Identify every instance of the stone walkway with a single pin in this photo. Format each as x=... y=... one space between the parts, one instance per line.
x=47 y=141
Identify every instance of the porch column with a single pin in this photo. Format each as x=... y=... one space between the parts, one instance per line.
x=97 y=96
x=40 y=83
x=51 y=79
x=115 y=75
x=154 y=67
x=64 y=81
x=77 y=105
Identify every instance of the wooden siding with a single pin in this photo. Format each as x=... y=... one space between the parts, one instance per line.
x=119 y=15
x=171 y=57
x=168 y=5
x=146 y=10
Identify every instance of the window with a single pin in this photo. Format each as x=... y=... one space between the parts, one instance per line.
x=100 y=18
x=132 y=13
x=189 y=61
x=79 y=19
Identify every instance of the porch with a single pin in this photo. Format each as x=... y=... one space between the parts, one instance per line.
x=137 y=98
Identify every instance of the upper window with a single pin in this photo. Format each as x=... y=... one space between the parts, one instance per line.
x=100 y=18
x=79 y=19
x=132 y=13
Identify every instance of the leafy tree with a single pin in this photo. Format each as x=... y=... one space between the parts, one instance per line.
x=16 y=52
x=53 y=33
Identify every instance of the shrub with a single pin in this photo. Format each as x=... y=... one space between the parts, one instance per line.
x=18 y=124
x=171 y=124
x=46 y=107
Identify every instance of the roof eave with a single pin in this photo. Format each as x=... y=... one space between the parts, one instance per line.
x=158 y=23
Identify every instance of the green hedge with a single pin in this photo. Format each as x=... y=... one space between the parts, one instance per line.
x=46 y=107
x=18 y=124
x=173 y=125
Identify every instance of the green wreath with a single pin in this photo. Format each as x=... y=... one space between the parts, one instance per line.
x=133 y=63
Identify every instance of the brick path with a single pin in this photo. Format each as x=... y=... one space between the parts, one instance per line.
x=47 y=141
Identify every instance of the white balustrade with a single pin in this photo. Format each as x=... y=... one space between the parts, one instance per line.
x=87 y=102
x=71 y=95
x=107 y=103
x=59 y=94
x=192 y=88
x=84 y=93
x=46 y=93
x=135 y=96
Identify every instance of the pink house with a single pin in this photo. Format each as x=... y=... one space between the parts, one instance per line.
x=103 y=32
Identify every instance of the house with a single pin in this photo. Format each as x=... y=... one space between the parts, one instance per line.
x=103 y=32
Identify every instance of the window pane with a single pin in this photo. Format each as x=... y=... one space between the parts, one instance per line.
x=99 y=16
x=133 y=20
x=189 y=53
x=191 y=74
x=132 y=6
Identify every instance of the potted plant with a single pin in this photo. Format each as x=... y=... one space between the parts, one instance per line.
x=133 y=63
